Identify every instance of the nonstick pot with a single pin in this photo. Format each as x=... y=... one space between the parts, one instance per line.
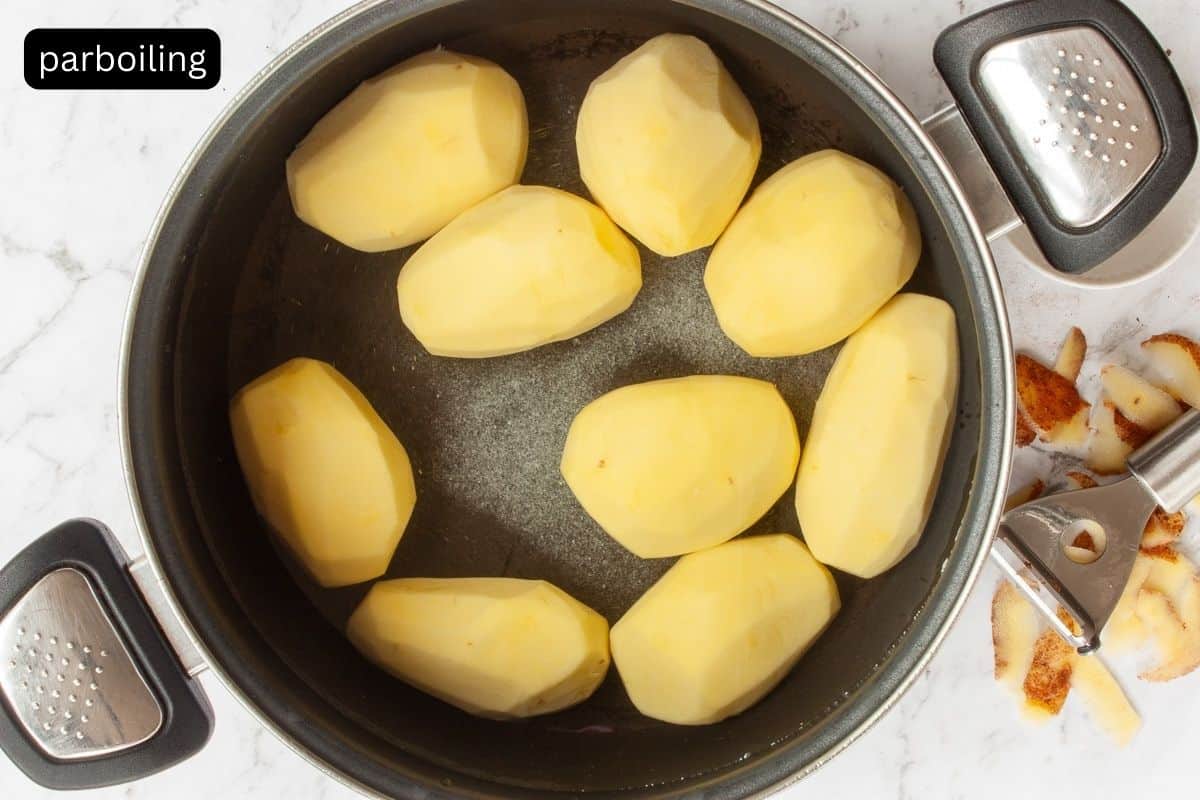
x=233 y=284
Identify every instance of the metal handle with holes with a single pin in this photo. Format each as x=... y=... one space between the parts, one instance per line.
x=91 y=692
x=1078 y=113
x=1169 y=464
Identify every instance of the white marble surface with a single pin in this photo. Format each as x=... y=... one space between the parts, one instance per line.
x=80 y=178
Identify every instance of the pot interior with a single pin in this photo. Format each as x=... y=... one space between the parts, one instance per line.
x=236 y=285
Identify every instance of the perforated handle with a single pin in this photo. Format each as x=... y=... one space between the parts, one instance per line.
x=1079 y=112
x=90 y=692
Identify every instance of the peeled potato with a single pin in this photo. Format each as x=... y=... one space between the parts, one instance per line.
x=816 y=250
x=671 y=466
x=494 y=647
x=668 y=143
x=722 y=627
x=528 y=266
x=324 y=470
x=409 y=150
x=878 y=437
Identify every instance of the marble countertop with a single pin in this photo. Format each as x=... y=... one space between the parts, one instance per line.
x=81 y=176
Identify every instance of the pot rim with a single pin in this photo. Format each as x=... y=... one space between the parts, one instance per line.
x=997 y=447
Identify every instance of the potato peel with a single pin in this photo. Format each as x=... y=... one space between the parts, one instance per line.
x=1162 y=529
x=1177 y=359
x=1015 y=626
x=1025 y=434
x=1124 y=630
x=1144 y=405
x=1107 y=703
x=1051 y=402
x=1109 y=447
x=1071 y=355
x=1048 y=681
x=1177 y=642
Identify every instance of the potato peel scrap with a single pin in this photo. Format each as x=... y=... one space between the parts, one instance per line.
x=1177 y=359
x=1106 y=702
x=1071 y=355
x=1175 y=630
x=1048 y=681
x=1024 y=431
x=1051 y=402
x=1111 y=444
x=1044 y=668
x=1141 y=403
x=1015 y=626
x=1162 y=529
x=1172 y=575
x=1124 y=630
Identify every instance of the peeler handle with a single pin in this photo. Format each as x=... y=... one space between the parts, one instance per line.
x=1169 y=464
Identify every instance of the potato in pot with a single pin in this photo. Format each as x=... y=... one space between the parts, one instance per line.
x=526 y=267
x=495 y=647
x=814 y=252
x=722 y=627
x=324 y=470
x=670 y=466
x=410 y=149
x=668 y=144
x=879 y=433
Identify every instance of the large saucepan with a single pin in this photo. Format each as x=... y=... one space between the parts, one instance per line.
x=232 y=284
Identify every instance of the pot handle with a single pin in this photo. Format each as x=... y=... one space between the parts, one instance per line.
x=91 y=693
x=1073 y=111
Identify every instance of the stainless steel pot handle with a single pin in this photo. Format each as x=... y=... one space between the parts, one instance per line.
x=93 y=692
x=1069 y=118
x=1032 y=538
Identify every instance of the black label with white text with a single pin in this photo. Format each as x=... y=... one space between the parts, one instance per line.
x=122 y=58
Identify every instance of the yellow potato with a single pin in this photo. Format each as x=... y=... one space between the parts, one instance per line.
x=324 y=470
x=879 y=433
x=528 y=266
x=722 y=627
x=494 y=647
x=668 y=143
x=671 y=466
x=409 y=150
x=816 y=250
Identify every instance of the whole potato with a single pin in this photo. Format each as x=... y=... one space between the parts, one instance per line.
x=879 y=433
x=495 y=647
x=671 y=466
x=668 y=144
x=528 y=266
x=816 y=250
x=722 y=627
x=409 y=150
x=324 y=470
